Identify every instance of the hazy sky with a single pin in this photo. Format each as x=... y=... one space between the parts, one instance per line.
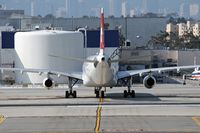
x=79 y=8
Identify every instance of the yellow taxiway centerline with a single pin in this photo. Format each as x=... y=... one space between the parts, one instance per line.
x=98 y=116
x=2 y=119
x=196 y=119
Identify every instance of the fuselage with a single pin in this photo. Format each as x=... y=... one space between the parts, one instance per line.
x=196 y=74
x=100 y=73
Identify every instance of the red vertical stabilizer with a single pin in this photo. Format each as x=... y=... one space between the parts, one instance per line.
x=102 y=43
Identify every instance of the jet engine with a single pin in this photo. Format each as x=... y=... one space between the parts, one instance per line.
x=48 y=82
x=149 y=81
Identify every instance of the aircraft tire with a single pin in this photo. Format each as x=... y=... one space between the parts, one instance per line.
x=102 y=94
x=133 y=93
x=125 y=93
x=66 y=94
x=74 y=94
x=97 y=94
x=95 y=91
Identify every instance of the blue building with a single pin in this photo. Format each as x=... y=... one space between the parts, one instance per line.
x=93 y=39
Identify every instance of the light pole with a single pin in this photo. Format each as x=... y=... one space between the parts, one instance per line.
x=138 y=37
x=126 y=28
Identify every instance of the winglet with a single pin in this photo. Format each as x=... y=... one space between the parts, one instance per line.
x=102 y=42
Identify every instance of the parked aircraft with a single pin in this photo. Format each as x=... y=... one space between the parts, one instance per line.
x=100 y=71
x=195 y=74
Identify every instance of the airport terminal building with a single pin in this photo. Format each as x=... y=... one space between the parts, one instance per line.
x=137 y=29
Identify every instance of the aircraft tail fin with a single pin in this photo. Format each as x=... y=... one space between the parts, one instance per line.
x=102 y=41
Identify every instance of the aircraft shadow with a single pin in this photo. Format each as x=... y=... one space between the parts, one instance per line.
x=138 y=97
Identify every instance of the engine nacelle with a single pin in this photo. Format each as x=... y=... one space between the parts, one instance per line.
x=149 y=81
x=48 y=83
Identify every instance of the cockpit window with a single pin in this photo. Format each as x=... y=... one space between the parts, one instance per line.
x=109 y=62
x=96 y=63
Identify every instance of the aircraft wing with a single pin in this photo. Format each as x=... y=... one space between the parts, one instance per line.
x=76 y=75
x=124 y=74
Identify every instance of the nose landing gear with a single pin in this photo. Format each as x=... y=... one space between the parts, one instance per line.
x=99 y=92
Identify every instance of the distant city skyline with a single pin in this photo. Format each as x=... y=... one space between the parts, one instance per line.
x=79 y=8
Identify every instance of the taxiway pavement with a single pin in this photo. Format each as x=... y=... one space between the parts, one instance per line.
x=165 y=108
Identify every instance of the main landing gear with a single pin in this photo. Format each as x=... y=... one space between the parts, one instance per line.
x=71 y=84
x=129 y=92
x=70 y=93
x=99 y=92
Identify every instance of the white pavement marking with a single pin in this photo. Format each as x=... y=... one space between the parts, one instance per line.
x=130 y=110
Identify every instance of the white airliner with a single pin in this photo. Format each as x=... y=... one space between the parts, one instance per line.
x=99 y=72
x=195 y=74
